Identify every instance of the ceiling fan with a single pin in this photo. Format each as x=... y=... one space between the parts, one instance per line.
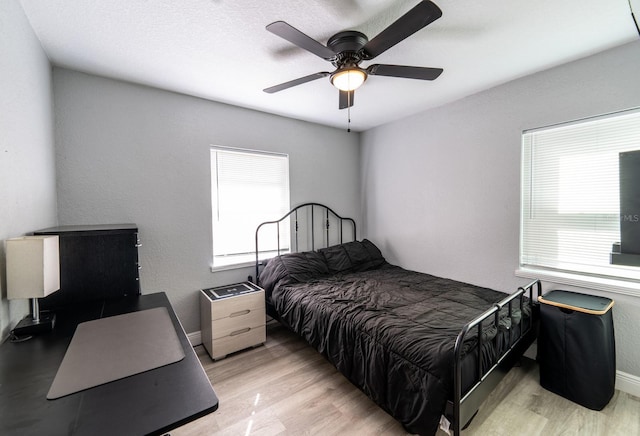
x=345 y=50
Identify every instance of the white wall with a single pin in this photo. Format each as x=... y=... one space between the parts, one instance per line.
x=441 y=189
x=128 y=153
x=27 y=169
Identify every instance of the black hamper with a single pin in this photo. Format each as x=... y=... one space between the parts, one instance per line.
x=576 y=347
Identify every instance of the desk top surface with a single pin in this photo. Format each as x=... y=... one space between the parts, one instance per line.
x=152 y=402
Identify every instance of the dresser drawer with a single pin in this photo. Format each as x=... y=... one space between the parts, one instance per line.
x=238 y=305
x=238 y=321
x=238 y=340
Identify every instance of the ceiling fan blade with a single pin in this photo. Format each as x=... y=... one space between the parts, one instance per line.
x=421 y=15
x=346 y=99
x=422 y=73
x=294 y=36
x=296 y=82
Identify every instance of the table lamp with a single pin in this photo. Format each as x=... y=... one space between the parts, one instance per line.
x=33 y=271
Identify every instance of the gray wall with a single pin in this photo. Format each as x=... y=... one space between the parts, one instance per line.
x=441 y=189
x=27 y=169
x=128 y=153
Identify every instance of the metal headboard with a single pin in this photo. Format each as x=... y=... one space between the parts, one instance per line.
x=309 y=213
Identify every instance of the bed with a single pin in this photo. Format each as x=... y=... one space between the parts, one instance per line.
x=426 y=349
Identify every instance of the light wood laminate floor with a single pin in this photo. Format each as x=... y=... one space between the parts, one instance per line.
x=286 y=388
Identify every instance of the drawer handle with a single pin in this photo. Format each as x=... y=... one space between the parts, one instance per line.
x=242 y=312
x=239 y=332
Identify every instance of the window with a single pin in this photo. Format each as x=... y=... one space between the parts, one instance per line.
x=247 y=188
x=571 y=215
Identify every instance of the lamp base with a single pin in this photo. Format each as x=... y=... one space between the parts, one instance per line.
x=28 y=326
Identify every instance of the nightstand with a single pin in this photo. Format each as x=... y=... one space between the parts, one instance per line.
x=232 y=318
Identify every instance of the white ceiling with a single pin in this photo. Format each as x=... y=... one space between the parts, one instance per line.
x=220 y=50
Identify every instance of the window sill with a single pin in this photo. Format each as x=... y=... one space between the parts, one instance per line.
x=233 y=266
x=242 y=261
x=624 y=287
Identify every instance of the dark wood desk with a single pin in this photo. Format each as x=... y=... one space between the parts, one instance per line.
x=152 y=402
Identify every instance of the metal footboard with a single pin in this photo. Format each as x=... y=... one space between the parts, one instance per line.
x=465 y=405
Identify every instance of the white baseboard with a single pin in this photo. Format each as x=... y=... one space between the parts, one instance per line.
x=624 y=382
x=195 y=338
x=628 y=383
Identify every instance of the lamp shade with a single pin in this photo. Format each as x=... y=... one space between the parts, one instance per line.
x=33 y=266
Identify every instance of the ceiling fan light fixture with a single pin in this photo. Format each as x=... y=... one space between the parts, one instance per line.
x=348 y=79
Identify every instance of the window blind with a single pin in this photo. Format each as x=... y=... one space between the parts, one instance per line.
x=247 y=188
x=570 y=215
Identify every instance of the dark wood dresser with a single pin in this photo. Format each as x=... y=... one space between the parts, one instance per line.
x=96 y=262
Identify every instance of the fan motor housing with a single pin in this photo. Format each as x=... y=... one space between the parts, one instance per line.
x=347 y=41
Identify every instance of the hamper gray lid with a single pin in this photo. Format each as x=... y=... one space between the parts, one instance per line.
x=576 y=301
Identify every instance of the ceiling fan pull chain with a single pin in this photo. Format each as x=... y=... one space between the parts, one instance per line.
x=348 y=112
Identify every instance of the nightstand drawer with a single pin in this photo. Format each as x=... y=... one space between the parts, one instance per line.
x=238 y=340
x=237 y=306
x=238 y=321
